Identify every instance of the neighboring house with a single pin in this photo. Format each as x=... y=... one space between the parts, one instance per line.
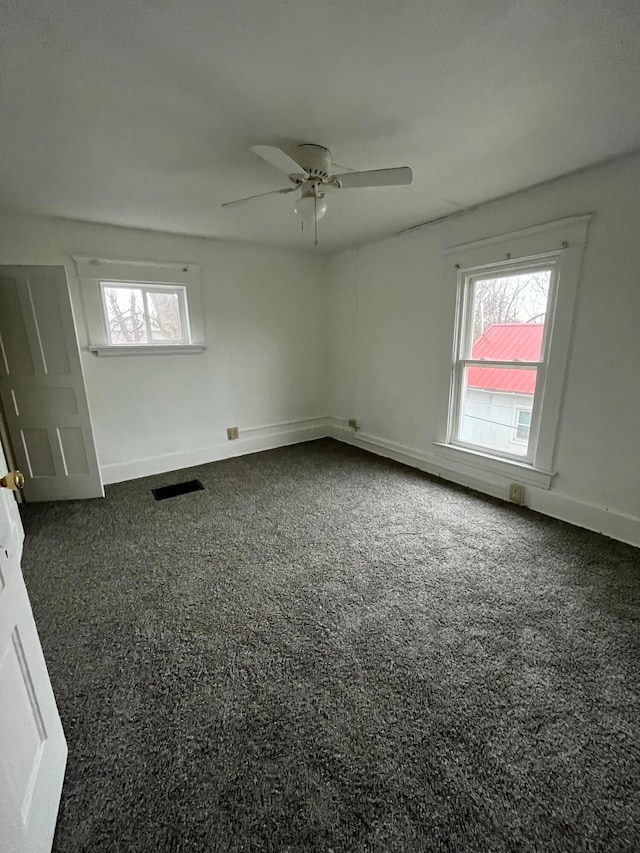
x=498 y=401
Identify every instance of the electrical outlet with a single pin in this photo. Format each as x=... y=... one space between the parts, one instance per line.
x=516 y=493
x=353 y=423
x=232 y=432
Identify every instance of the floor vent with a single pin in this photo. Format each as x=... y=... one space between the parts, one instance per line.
x=165 y=492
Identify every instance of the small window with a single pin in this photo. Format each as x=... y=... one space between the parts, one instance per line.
x=145 y=314
x=523 y=426
x=501 y=359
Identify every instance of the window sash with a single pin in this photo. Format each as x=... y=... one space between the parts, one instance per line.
x=179 y=290
x=465 y=321
x=511 y=365
x=457 y=410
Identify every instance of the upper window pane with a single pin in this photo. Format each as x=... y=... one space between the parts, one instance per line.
x=126 y=322
x=508 y=315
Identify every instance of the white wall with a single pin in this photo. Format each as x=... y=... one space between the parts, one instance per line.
x=265 y=316
x=296 y=337
x=390 y=345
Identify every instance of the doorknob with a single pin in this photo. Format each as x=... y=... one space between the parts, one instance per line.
x=13 y=480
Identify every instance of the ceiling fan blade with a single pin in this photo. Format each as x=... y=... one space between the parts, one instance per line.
x=277 y=157
x=260 y=195
x=376 y=178
x=341 y=168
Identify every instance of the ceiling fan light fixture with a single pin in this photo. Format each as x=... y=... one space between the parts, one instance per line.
x=310 y=209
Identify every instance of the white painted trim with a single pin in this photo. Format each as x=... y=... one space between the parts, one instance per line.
x=601 y=519
x=251 y=440
x=562 y=242
x=516 y=471
x=617 y=525
x=155 y=349
x=175 y=272
x=277 y=428
x=578 y=236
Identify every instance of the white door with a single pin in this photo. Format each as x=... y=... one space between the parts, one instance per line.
x=33 y=750
x=42 y=386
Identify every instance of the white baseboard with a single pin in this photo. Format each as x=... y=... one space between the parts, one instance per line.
x=251 y=440
x=600 y=519
x=617 y=525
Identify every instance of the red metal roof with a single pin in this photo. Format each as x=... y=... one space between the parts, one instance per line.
x=507 y=341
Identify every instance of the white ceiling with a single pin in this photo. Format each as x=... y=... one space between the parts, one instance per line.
x=143 y=113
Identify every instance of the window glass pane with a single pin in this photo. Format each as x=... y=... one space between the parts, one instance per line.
x=507 y=316
x=164 y=316
x=125 y=315
x=495 y=408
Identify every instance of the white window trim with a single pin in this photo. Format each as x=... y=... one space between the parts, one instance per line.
x=462 y=337
x=476 y=460
x=146 y=349
x=92 y=271
x=563 y=242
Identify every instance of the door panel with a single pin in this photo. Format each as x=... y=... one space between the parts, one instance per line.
x=42 y=386
x=57 y=401
x=74 y=454
x=20 y=724
x=33 y=749
x=45 y=306
x=15 y=347
x=37 y=448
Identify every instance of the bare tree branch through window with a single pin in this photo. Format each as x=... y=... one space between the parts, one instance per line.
x=137 y=314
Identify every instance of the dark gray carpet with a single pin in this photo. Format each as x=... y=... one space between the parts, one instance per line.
x=325 y=651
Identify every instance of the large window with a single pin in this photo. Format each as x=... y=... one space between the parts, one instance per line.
x=144 y=314
x=501 y=359
x=510 y=300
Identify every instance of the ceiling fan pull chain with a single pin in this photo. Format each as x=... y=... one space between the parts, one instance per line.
x=315 y=218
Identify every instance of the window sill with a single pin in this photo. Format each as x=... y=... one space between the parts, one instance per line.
x=520 y=472
x=158 y=349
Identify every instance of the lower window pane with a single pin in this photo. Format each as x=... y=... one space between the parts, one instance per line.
x=495 y=408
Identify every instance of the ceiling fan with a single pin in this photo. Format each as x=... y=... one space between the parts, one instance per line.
x=311 y=171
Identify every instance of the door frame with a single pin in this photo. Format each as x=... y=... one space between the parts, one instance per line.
x=6 y=442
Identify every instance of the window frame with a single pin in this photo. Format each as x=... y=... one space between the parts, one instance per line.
x=564 y=239
x=92 y=271
x=149 y=287
x=463 y=338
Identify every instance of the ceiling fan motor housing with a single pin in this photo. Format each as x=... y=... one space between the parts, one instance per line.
x=315 y=160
